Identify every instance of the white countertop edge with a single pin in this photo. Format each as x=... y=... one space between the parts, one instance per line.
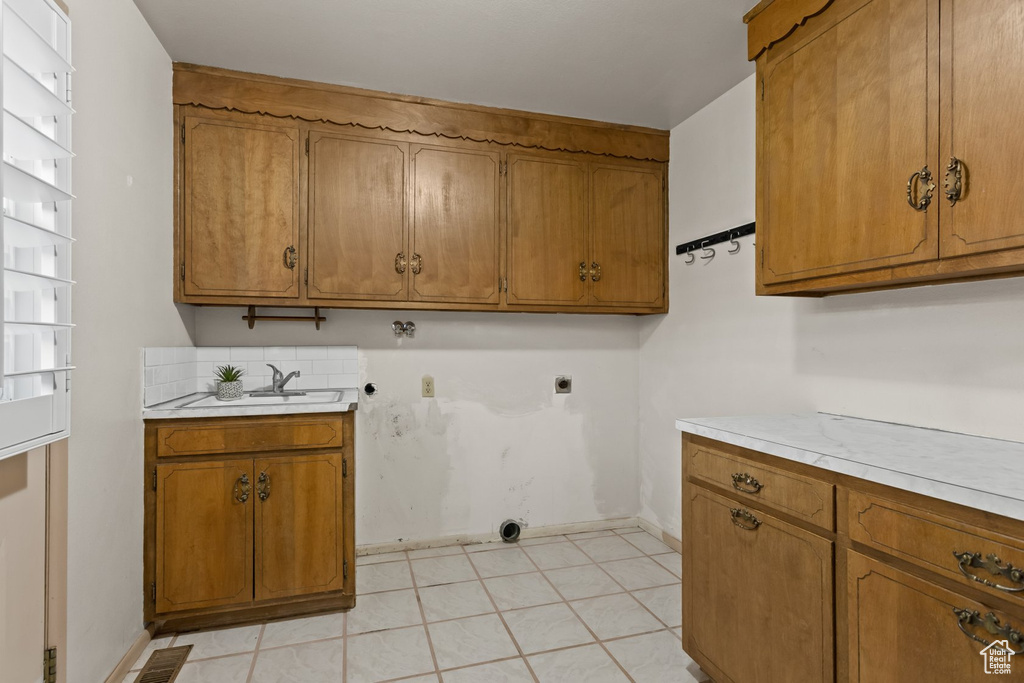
x=164 y=412
x=933 y=488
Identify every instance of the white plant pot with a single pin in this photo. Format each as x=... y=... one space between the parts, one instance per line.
x=229 y=391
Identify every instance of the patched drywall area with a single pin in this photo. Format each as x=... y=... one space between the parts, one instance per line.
x=948 y=357
x=123 y=301
x=496 y=442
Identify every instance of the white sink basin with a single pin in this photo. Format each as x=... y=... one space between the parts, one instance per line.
x=324 y=396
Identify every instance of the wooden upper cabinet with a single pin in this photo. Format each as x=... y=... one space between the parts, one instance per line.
x=627 y=235
x=845 y=122
x=240 y=211
x=982 y=101
x=337 y=198
x=455 y=245
x=547 y=228
x=298 y=525
x=204 y=510
x=357 y=217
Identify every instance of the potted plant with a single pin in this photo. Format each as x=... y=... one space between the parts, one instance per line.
x=229 y=382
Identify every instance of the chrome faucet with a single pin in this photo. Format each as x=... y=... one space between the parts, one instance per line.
x=280 y=379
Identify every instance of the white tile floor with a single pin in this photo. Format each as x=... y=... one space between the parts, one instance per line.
x=591 y=607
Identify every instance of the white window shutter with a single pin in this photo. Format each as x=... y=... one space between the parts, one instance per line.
x=35 y=361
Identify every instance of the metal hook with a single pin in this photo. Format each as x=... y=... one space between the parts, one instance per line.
x=707 y=259
x=692 y=258
x=732 y=241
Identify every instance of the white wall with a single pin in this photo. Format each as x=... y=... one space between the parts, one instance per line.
x=949 y=357
x=496 y=442
x=123 y=263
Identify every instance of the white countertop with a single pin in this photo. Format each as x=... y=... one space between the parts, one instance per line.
x=174 y=410
x=987 y=474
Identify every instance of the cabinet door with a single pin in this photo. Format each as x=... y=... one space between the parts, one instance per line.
x=241 y=211
x=627 y=220
x=904 y=630
x=203 y=535
x=848 y=115
x=299 y=544
x=547 y=220
x=983 y=96
x=455 y=225
x=759 y=599
x=357 y=218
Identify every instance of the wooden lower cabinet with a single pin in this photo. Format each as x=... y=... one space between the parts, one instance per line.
x=299 y=525
x=877 y=594
x=758 y=601
x=903 y=629
x=204 y=533
x=235 y=537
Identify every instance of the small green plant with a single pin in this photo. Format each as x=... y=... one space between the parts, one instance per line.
x=229 y=373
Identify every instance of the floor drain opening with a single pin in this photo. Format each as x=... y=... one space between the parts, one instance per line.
x=164 y=665
x=510 y=531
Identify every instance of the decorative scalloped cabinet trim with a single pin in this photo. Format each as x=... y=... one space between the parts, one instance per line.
x=310 y=101
x=772 y=20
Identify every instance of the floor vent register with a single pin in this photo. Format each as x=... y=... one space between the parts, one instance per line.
x=164 y=665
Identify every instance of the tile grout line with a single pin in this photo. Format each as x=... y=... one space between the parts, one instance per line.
x=501 y=616
x=580 y=619
x=626 y=590
x=256 y=653
x=423 y=616
x=344 y=641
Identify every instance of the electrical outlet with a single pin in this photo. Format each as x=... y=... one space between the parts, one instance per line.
x=428 y=386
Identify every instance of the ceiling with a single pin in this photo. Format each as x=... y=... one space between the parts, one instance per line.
x=644 y=62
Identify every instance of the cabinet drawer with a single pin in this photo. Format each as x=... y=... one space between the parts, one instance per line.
x=940 y=544
x=272 y=434
x=792 y=494
x=906 y=630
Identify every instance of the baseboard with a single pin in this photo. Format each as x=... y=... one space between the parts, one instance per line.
x=527 y=532
x=130 y=657
x=666 y=538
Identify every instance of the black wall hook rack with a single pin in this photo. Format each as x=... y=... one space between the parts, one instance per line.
x=717 y=238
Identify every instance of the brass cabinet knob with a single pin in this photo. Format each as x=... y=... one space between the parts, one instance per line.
x=990 y=622
x=924 y=179
x=595 y=271
x=263 y=486
x=583 y=271
x=954 y=184
x=994 y=566
x=290 y=257
x=242 y=488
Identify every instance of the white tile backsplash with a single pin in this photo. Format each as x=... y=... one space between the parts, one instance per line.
x=173 y=372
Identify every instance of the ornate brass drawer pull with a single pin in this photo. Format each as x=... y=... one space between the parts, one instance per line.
x=595 y=271
x=954 y=184
x=969 y=617
x=925 y=177
x=242 y=488
x=400 y=262
x=263 y=486
x=417 y=264
x=583 y=271
x=994 y=565
x=741 y=479
x=290 y=257
x=738 y=514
